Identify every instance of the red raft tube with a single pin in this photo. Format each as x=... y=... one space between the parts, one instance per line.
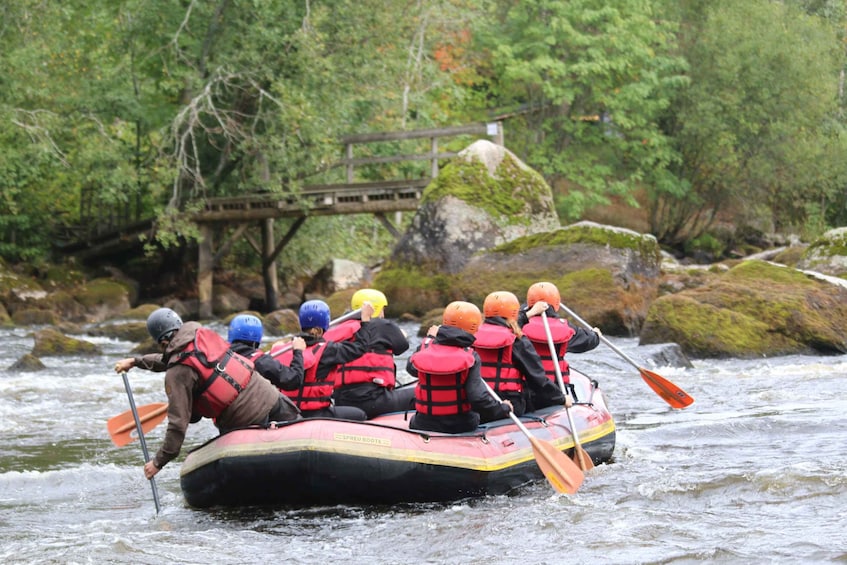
x=316 y=462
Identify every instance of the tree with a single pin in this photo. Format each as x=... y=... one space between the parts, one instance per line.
x=758 y=129
x=586 y=81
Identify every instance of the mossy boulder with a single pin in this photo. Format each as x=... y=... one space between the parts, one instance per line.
x=34 y=317
x=607 y=275
x=281 y=322
x=140 y=312
x=5 y=319
x=103 y=298
x=126 y=331
x=228 y=301
x=827 y=254
x=755 y=309
x=50 y=341
x=484 y=197
x=27 y=363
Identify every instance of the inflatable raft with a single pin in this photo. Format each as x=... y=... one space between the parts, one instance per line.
x=381 y=461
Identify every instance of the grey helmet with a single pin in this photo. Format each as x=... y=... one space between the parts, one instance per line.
x=163 y=322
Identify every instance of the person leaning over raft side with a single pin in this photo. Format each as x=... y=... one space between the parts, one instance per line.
x=510 y=364
x=321 y=358
x=544 y=297
x=191 y=355
x=245 y=336
x=368 y=382
x=450 y=395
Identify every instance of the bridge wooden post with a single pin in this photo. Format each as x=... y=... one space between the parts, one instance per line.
x=269 y=275
x=205 y=268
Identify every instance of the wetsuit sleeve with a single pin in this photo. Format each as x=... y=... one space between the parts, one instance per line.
x=395 y=337
x=411 y=369
x=529 y=364
x=286 y=377
x=179 y=386
x=479 y=397
x=583 y=340
x=151 y=362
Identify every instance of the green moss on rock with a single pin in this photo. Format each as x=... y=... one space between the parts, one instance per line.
x=99 y=292
x=586 y=232
x=705 y=330
x=772 y=310
x=52 y=342
x=513 y=194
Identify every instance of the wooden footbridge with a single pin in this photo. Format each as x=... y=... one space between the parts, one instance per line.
x=234 y=215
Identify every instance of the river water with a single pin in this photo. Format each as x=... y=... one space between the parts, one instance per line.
x=755 y=471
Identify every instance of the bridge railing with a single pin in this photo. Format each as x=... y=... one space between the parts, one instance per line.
x=364 y=188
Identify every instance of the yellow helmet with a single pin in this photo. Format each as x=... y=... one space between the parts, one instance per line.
x=463 y=315
x=375 y=297
x=501 y=303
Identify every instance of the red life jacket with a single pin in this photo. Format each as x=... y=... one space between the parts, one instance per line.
x=375 y=367
x=223 y=372
x=442 y=373
x=562 y=332
x=494 y=346
x=312 y=394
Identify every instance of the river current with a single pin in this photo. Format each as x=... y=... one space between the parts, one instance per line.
x=755 y=471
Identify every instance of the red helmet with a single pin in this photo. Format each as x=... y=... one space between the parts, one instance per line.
x=462 y=315
x=501 y=303
x=545 y=291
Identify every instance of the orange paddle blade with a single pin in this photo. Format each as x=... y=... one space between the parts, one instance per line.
x=669 y=392
x=561 y=472
x=122 y=427
x=582 y=458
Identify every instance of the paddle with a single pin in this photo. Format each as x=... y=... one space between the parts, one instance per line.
x=668 y=391
x=140 y=431
x=560 y=471
x=335 y=322
x=580 y=455
x=122 y=426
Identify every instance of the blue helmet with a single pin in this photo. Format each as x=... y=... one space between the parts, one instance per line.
x=314 y=314
x=245 y=327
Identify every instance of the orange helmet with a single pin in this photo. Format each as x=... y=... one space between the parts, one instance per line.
x=545 y=291
x=462 y=315
x=501 y=303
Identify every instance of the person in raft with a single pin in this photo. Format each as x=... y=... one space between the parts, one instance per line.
x=450 y=395
x=245 y=335
x=369 y=381
x=193 y=357
x=510 y=364
x=321 y=358
x=544 y=297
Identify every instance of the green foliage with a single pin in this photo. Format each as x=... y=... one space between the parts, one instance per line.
x=117 y=111
x=759 y=123
x=590 y=79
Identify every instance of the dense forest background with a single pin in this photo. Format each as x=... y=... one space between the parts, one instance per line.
x=695 y=113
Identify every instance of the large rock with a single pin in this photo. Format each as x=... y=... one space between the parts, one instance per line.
x=827 y=254
x=337 y=275
x=52 y=342
x=754 y=309
x=484 y=197
x=608 y=275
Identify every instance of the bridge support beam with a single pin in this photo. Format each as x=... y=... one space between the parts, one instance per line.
x=205 y=268
x=269 y=275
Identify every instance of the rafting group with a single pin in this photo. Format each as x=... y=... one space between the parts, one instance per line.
x=477 y=366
